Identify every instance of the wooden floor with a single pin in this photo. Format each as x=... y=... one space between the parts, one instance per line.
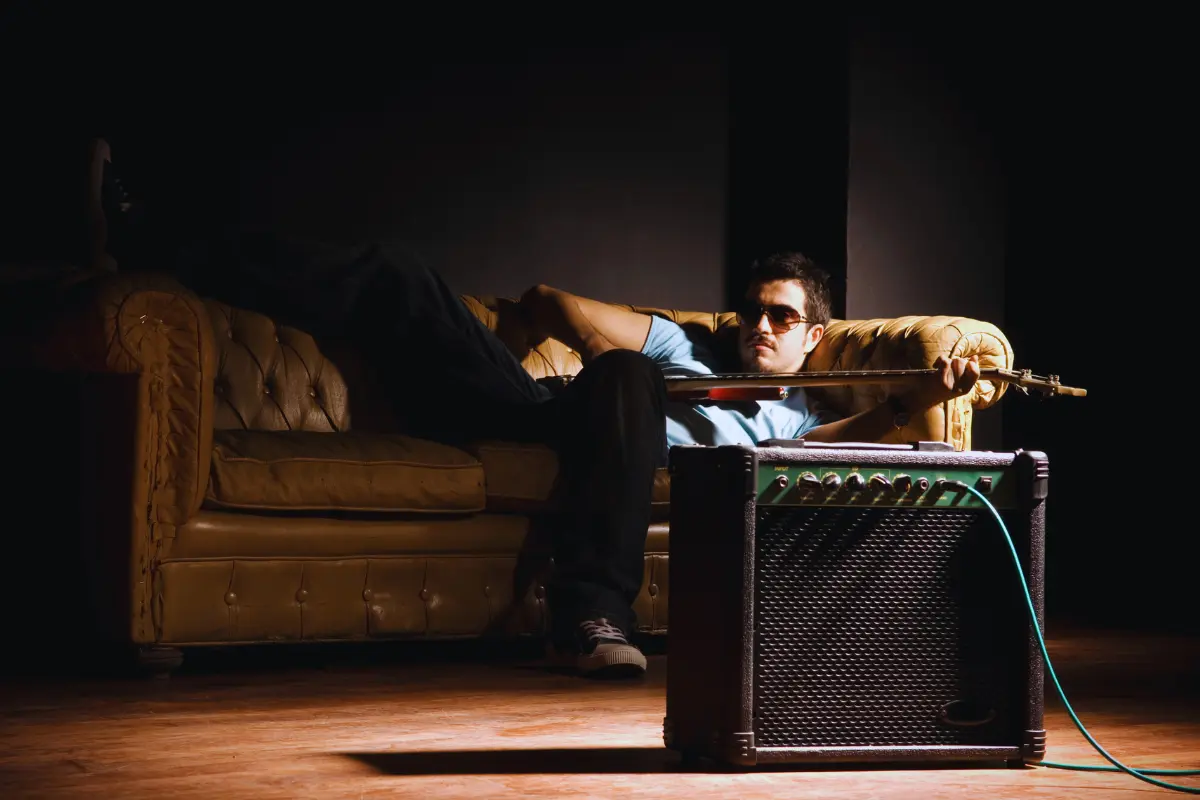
x=464 y=723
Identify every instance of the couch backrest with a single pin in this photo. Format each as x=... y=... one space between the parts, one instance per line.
x=272 y=377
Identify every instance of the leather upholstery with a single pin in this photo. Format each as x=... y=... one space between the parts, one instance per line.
x=236 y=520
x=310 y=471
x=101 y=322
x=272 y=378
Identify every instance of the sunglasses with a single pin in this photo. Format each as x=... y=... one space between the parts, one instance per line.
x=782 y=318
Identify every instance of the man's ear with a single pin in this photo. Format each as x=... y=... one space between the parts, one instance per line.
x=813 y=337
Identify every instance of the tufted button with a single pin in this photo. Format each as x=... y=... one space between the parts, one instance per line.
x=367 y=595
x=423 y=594
x=229 y=333
x=487 y=591
x=276 y=340
x=312 y=392
x=301 y=595
x=652 y=589
x=539 y=592
x=266 y=389
x=230 y=598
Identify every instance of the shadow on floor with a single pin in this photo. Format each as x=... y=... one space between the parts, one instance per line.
x=595 y=761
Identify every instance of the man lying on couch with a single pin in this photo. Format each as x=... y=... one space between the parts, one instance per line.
x=454 y=381
x=611 y=426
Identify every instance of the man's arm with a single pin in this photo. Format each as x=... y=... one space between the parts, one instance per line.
x=587 y=326
x=956 y=377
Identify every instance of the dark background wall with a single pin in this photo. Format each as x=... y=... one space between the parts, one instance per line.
x=1097 y=262
x=932 y=173
x=596 y=166
x=788 y=148
x=926 y=207
x=594 y=163
x=1028 y=175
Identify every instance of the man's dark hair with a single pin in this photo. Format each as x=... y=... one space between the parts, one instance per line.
x=793 y=266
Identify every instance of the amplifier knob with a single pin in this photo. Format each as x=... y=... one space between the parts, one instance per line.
x=879 y=482
x=831 y=481
x=903 y=483
x=855 y=482
x=808 y=481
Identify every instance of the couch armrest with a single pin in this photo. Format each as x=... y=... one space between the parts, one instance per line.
x=144 y=324
x=141 y=349
x=912 y=342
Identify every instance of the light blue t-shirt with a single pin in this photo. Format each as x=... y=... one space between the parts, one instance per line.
x=747 y=422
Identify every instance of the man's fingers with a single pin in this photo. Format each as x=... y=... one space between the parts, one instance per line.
x=970 y=374
x=947 y=373
x=956 y=375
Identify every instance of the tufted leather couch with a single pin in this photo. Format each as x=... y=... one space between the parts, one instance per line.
x=245 y=483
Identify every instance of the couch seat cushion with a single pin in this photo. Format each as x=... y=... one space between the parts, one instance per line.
x=521 y=478
x=315 y=471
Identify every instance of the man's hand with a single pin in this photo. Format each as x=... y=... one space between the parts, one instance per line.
x=953 y=378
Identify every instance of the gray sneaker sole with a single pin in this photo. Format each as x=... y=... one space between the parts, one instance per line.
x=609 y=661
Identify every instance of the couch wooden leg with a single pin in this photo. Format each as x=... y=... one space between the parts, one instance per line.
x=159 y=662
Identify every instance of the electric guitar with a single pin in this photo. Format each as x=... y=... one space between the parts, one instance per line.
x=774 y=386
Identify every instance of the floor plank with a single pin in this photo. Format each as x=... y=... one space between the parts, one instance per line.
x=326 y=724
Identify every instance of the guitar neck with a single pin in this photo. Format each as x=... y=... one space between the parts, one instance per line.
x=826 y=378
x=687 y=385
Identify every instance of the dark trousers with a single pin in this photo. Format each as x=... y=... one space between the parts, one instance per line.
x=454 y=381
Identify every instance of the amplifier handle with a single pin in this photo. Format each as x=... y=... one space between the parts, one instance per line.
x=932 y=447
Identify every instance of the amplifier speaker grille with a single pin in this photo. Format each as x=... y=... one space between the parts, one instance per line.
x=885 y=627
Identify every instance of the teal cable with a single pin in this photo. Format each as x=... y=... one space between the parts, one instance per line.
x=1118 y=766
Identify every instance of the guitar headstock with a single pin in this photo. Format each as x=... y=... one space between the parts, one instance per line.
x=1049 y=385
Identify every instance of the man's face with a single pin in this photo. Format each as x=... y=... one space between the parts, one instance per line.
x=776 y=340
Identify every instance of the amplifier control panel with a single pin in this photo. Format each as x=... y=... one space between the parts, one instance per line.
x=841 y=485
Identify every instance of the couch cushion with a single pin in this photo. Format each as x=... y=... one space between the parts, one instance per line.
x=345 y=471
x=520 y=478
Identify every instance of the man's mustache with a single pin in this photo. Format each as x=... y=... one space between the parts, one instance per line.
x=757 y=340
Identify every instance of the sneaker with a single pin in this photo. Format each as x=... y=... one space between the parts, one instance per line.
x=600 y=650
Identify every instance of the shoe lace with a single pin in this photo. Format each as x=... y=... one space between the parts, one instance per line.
x=602 y=629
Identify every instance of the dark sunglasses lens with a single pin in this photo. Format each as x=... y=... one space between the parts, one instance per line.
x=750 y=314
x=783 y=316
x=780 y=316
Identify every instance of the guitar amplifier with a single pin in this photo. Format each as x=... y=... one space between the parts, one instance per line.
x=841 y=603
